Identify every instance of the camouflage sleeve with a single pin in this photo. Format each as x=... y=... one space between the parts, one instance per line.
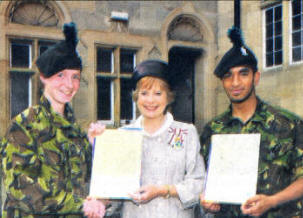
x=297 y=159
x=89 y=159
x=205 y=142
x=21 y=167
x=81 y=168
x=29 y=184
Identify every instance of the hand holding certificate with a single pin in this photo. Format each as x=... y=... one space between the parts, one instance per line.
x=233 y=168
x=117 y=164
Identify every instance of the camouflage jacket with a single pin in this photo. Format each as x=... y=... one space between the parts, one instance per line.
x=46 y=163
x=281 y=153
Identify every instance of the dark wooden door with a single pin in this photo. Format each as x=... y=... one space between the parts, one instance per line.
x=182 y=62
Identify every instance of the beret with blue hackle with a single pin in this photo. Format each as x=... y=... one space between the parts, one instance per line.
x=63 y=55
x=238 y=55
x=152 y=67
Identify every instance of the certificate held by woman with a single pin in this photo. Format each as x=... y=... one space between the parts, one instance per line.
x=116 y=164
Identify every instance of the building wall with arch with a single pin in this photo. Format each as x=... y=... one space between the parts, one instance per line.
x=281 y=83
x=204 y=65
x=145 y=32
x=9 y=30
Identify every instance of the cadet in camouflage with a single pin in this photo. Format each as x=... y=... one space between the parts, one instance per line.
x=280 y=171
x=281 y=153
x=46 y=157
x=46 y=162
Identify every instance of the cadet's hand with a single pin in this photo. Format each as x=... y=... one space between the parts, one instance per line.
x=93 y=208
x=209 y=206
x=257 y=205
x=146 y=193
x=94 y=130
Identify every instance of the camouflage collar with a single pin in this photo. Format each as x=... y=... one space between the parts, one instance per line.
x=259 y=115
x=68 y=112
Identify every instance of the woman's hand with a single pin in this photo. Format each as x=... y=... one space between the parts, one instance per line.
x=94 y=130
x=94 y=208
x=147 y=193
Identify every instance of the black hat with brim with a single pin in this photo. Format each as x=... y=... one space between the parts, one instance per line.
x=62 y=55
x=154 y=68
x=238 y=55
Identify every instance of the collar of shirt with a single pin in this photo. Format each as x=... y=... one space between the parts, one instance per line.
x=259 y=116
x=167 y=123
x=65 y=121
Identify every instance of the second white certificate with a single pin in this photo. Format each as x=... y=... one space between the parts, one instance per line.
x=233 y=168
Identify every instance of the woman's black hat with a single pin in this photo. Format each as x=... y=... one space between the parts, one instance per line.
x=155 y=68
x=62 y=55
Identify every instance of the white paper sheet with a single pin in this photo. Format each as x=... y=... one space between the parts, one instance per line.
x=117 y=164
x=233 y=168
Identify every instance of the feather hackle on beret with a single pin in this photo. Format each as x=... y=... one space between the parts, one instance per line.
x=62 y=55
x=239 y=54
x=235 y=35
x=70 y=33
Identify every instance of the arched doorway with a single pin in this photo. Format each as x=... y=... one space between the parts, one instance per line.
x=184 y=33
x=182 y=61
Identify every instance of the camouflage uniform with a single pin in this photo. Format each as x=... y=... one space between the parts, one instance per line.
x=46 y=162
x=281 y=153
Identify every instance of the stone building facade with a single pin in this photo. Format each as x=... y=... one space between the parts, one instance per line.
x=273 y=29
x=116 y=35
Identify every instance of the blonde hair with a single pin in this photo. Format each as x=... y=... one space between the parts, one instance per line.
x=148 y=81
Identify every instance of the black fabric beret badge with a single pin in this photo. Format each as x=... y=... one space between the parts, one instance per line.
x=238 y=55
x=62 y=55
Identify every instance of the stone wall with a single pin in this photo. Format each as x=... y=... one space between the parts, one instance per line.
x=280 y=85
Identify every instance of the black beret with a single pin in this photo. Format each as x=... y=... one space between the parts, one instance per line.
x=238 y=55
x=62 y=55
x=155 y=68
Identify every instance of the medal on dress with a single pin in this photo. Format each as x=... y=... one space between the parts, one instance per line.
x=177 y=137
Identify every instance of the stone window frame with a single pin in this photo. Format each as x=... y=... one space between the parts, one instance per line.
x=115 y=76
x=45 y=13
x=33 y=34
x=30 y=71
x=291 y=46
x=25 y=72
x=192 y=33
x=90 y=39
x=272 y=7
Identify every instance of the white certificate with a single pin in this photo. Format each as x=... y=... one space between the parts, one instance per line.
x=233 y=168
x=117 y=164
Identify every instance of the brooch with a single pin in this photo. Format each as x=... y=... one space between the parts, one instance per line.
x=177 y=137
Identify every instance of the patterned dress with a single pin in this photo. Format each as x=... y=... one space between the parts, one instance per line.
x=281 y=153
x=46 y=161
x=170 y=156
